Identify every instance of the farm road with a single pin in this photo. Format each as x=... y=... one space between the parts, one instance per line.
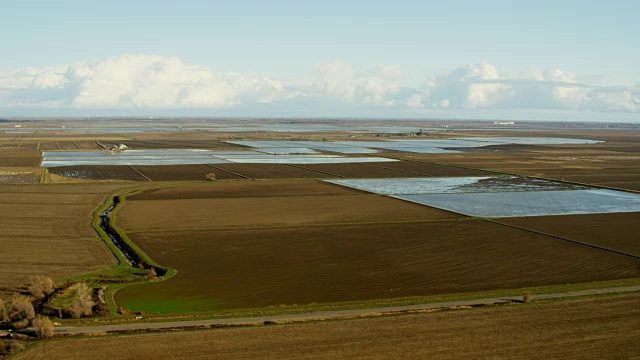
x=139 y=326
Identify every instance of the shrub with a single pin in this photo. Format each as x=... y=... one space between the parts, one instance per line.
x=43 y=327
x=210 y=176
x=150 y=273
x=526 y=298
x=40 y=286
x=21 y=308
x=83 y=303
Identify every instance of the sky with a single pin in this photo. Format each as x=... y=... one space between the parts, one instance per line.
x=418 y=59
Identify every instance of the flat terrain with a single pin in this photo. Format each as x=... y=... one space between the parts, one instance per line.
x=240 y=189
x=614 y=163
x=612 y=231
x=97 y=172
x=589 y=329
x=184 y=172
x=46 y=230
x=297 y=206
x=222 y=269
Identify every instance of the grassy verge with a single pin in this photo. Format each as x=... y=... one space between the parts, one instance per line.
x=378 y=303
x=122 y=274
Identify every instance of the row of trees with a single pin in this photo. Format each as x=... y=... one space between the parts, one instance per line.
x=19 y=311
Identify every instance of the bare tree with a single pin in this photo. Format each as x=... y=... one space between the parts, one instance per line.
x=43 y=327
x=210 y=176
x=40 y=286
x=21 y=308
x=83 y=303
x=100 y=295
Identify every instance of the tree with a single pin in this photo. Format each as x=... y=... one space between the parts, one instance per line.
x=43 y=327
x=210 y=176
x=21 y=309
x=40 y=286
x=83 y=303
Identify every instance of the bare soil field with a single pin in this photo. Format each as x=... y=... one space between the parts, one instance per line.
x=183 y=172
x=428 y=169
x=14 y=160
x=240 y=189
x=587 y=329
x=270 y=171
x=19 y=175
x=606 y=168
x=46 y=230
x=356 y=170
x=97 y=172
x=612 y=231
x=190 y=143
x=157 y=215
x=222 y=269
x=58 y=145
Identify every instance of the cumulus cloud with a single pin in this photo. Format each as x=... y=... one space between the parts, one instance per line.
x=159 y=82
x=482 y=86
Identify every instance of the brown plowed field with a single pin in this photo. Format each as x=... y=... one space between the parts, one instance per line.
x=355 y=170
x=183 y=172
x=429 y=169
x=241 y=189
x=46 y=230
x=270 y=171
x=155 y=215
x=18 y=161
x=181 y=144
x=221 y=269
x=97 y=172
x=612 y=231
x=624 y=185
x=589 y=329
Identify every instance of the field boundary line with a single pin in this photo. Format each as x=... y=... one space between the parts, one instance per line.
x=230 y=172
x=139 y=173
x=561 y=238
x=318 y=171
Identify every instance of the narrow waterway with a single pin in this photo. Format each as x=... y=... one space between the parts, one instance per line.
x=132 y=256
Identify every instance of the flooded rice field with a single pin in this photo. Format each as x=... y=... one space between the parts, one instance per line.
x=500 y=196
x=190 y=157
x=413 y=146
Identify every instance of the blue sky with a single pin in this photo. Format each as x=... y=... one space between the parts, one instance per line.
x=287 y=41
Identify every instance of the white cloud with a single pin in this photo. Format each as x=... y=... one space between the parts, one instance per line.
x=158 y=82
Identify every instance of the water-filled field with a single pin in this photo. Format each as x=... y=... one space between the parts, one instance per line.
x=437 y=146
x=192 y=156
x=501 y=196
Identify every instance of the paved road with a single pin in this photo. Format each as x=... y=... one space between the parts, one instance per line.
x=322 y=315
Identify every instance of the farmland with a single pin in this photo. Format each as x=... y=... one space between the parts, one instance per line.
x=221 y=269
x=608 y=328
x=275 y=234
x=46 y=230
x=617 y=231
x=269 y=209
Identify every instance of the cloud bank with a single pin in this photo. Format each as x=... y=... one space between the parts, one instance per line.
x=158 y=82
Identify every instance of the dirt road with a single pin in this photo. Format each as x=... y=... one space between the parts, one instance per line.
x=142 y=326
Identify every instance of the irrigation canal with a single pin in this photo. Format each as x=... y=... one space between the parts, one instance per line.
x=132 y=256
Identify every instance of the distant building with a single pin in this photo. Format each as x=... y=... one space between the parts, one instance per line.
x=504 y=122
